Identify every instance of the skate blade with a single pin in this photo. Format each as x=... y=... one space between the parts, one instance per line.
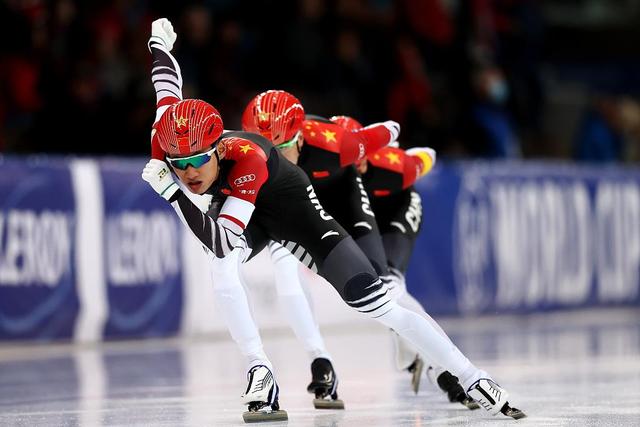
x=262 y=416
x=470 y=404
x=328 y=404
x=416 y=375
x=514 y=413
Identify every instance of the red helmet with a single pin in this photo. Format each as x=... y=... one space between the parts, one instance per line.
x=346 y=122
x=275 y=114
x=188 y=126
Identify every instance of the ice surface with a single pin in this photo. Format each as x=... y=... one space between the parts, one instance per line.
x=562 y=369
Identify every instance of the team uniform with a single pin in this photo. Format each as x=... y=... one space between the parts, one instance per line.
x=318 y=240
x=271 y=199
x=231 y=299
x=328 y=156
x=389 y=178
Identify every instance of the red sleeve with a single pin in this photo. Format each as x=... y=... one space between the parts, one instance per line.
x=356 y=145
x=167 y=100
x=416 y=165
x=156 y=151
x=396 y=160
x=411 y=172
x=249 y=172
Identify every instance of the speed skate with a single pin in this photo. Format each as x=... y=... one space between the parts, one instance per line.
x=489 y=395
x=415 y=369
x=324 y=385
x=261 y=397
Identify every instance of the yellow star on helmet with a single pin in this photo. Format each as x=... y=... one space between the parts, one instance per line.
x=245 y=148
x=393 y=158
x=263 y=116
x=329 y=136
x=181 y=121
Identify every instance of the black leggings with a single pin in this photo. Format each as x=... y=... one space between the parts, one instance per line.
x=289 y=212
x=345 y=198
x=400 y=220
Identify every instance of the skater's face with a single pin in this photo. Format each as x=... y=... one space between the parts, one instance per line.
x=199 y=170
x=291 y=151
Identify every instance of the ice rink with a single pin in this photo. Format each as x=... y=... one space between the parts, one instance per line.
x=562 y=369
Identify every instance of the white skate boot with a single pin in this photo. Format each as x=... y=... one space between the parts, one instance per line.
x=261 y=396
x=488 y=394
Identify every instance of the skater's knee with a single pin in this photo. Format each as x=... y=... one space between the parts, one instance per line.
x=359 y=286
x=366 y=294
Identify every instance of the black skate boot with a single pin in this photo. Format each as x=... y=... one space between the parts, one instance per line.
x=324 y=385
x=449 y=384
x=415 y=369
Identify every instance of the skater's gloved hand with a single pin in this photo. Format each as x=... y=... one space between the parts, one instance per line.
x=423 y=151
x=424 y=157
x=394 y=130
x=162 y=32
x=158 y=175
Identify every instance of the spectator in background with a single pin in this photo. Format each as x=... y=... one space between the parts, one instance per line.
x=511 y=32
x=352 y=77
x=410 y=96
x=306 y=41
x=630 y=118
x=21 y=36
x=609 y=130
x=492 y=133
x=86 y=62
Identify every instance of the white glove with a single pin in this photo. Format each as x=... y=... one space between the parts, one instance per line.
x=162 y=32
x=393 y=128
x=158 y=175
x=425 y=150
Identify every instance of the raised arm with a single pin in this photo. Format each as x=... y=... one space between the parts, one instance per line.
x=423 y=158
x=358 y=144
x=418 y=162
x=165 y=74
x=411 y=165
x=219 y=234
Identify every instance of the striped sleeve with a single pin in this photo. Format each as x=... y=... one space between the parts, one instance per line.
x=167 y=81
x=166 y=77
x=219 y=235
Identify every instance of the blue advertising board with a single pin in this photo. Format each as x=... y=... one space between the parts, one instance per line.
x=142 y=255
x=496 y=238
x=38 y=298
x=521 y=237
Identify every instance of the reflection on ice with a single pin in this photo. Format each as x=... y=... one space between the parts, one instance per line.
x=580 y=368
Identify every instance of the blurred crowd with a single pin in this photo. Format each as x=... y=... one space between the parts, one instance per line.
x=464 y=77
